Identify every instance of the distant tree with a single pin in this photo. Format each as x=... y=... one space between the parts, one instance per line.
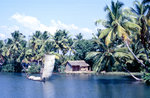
x=81 y=47
x=79 y=36
x=63 y=45
x=1 y=47
x=39 y=44
x=1 y=53
x=15 y=51
x=61 y=38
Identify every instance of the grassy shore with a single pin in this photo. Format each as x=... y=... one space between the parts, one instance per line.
x=80 y=72
x=105 y=73
x=122 y=73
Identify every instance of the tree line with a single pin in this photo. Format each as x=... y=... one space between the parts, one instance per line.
x=123 y=45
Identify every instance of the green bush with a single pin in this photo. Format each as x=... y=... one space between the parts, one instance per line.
x=33 y=68
x=8 y=68
x=146 y=78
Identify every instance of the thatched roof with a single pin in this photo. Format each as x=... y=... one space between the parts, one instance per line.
x=78 y=63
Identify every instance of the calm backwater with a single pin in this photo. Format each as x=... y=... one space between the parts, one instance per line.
x=72 y=86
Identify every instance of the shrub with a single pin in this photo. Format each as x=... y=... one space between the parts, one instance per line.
x=33 y=68
x=146 y=78
x=8 y=68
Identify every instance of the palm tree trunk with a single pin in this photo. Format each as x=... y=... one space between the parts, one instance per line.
x=144 y=33
x=136 y=78
x=126 y=43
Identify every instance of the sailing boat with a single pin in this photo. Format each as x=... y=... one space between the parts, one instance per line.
x=49 y=62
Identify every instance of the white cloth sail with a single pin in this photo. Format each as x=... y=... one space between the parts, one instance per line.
x=48 y=66
x=49 y=62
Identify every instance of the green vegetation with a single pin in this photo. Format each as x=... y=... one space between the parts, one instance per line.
x=146 y=78
x=123 y=45
x=33 y=68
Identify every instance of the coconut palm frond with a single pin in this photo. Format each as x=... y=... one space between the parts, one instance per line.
x=131 y=25
x=104 y=33
x=90 y=55
x=122 y=55
x=109 y=37
x=122 y=49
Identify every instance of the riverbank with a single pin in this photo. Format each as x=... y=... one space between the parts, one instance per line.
x=122 y=73
x=105 y=73
x=80 y=72
x=93 y=72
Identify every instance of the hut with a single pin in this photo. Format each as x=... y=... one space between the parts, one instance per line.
x=80 y=65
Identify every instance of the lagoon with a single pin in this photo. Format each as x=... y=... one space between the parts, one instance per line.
x=15 y=85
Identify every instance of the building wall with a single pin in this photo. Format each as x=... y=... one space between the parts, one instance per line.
x=75 y=68
x=68 y=67
x=90 y=68
x=83 y=68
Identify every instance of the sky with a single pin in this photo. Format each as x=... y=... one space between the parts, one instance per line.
x=75 y=16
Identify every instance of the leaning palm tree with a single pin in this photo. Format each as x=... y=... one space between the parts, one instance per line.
x=117 y=26
x=121 y=54
x=108 y=57
x=127 y=61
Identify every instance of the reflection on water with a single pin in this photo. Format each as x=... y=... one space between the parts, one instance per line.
x=72 y=86
x=48 y=90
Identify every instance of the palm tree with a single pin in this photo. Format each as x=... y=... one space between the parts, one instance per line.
x=79 y=36
x=124 y=58
x=59 y=44
x=102 y=58
x=15 y=50
x=40 y=44
x=61 y=38
x=140 y=11
x=35 y=43
x=127 y=61
x=146 y=4
x=70 y=44
x=117 y=26
x=109 y=57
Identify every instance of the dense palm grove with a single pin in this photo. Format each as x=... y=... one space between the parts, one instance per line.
x=124 y=44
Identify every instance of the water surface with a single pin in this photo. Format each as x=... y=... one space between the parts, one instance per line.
x=72 y=86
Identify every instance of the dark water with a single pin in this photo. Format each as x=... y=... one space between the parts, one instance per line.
x=72 y=86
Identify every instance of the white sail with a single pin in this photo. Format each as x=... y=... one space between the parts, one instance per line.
x=48 y=66
x=49 y=62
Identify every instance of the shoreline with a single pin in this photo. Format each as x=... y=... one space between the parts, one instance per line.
x=92 y=72
x=123 y=73
x=103 y=73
